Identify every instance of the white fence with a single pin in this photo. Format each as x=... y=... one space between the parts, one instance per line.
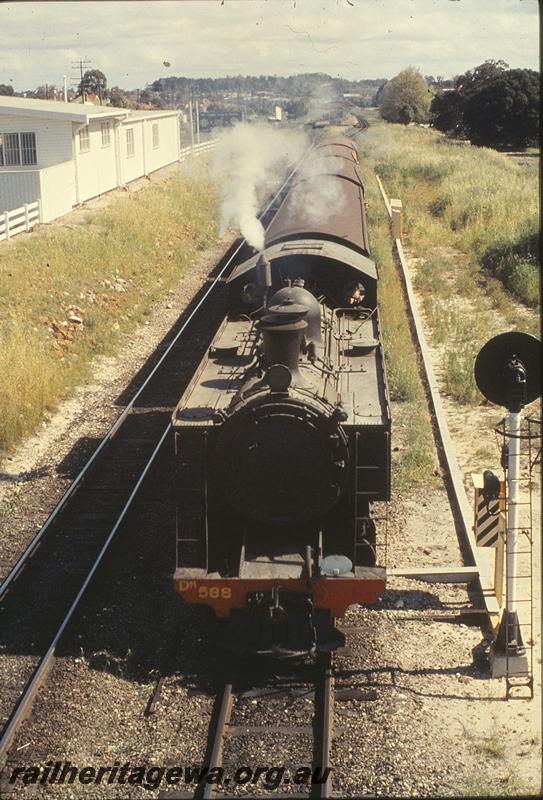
x=26 y=216
x=187 y=152
x=19 y=220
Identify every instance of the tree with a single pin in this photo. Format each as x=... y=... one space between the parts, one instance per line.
x=505 y=112
x=152 y=98
x=94 y=82
x=447 y=113
x=5 y=89
x=406 y=98
x=117 y=98
x=492 y=105
x=46 y=92
x=475 y=79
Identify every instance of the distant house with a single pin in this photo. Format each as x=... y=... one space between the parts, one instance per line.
x=64 y=153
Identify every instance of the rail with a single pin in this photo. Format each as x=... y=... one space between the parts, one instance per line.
x=19 y=220
x=221 y=728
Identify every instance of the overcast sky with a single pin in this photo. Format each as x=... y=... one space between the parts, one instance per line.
x=130 y=41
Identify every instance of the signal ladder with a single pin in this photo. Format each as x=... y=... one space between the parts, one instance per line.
x=516 y=546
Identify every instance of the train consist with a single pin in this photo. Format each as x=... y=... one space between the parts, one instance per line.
x=282 y=439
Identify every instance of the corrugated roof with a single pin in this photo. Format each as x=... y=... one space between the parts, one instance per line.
x=76 y=112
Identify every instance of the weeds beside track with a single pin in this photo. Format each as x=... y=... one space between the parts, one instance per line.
x=472 y=198
x=68 y=293
x=456 y=231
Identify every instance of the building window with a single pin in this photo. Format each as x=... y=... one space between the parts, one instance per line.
x=106 y=134
x=130 y=146
x=17 y=149
x=156 y=140
x=84 y=140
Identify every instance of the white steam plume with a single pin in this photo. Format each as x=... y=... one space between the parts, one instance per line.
x=246 y=159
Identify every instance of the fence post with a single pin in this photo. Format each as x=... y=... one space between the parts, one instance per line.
x=27 y=221
x=6 y=219
x=39 y=210
x=396 y=213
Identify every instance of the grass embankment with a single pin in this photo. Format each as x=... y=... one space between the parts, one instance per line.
x=471 y=215
x=416 y=461
x=70 y=294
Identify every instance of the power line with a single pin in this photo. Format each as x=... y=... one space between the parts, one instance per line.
x=79 y=65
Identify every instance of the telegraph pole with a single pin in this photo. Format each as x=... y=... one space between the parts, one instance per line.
x=79 y=65
x=191 y=117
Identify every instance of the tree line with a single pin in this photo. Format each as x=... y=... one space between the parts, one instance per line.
x=491 y=105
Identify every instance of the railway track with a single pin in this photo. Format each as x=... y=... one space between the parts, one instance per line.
x=41 y=593
x=276 y=691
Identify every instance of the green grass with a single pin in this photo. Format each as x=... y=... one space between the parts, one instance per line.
x=109 y=272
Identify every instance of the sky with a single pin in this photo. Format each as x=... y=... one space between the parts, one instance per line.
x=130 y=41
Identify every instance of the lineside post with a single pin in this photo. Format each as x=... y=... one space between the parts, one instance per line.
x=396 y=214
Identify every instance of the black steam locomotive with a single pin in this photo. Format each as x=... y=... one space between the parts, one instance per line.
x=282 y=439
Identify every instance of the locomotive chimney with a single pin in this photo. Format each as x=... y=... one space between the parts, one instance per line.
x=282 y=330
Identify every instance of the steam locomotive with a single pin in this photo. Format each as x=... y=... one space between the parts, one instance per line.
x=282 y=438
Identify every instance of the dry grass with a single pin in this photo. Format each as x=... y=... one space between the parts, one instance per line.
x=449 y=227
x=107 y=272
x=416 y=463
x=475 y=199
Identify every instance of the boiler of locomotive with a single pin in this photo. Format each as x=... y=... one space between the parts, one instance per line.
x=282 y=455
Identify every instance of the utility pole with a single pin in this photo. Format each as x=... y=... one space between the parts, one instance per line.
x=79 y=64
x=191 y=124
x=65 y=82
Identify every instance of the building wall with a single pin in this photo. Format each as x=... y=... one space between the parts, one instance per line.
x=53 y=138
x=65 y=176
x=95 y=169
x=57 y=190
x=132 y=166
x=167 y=150
x=147 y=158
x=18 y=188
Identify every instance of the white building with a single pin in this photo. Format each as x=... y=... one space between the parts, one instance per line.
x=63 y=153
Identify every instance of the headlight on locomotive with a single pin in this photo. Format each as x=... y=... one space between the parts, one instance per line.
x=281 y=461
